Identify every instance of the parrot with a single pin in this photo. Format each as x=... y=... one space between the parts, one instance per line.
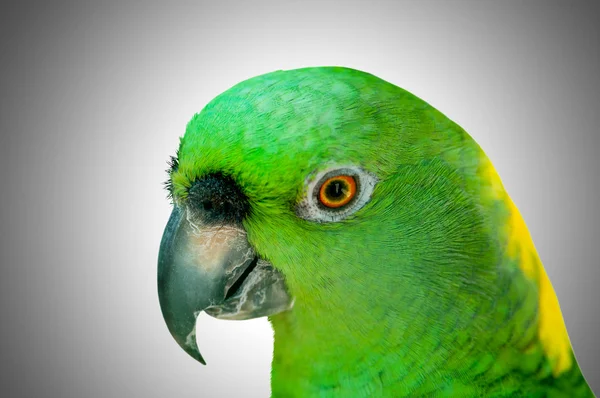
x=372 y=231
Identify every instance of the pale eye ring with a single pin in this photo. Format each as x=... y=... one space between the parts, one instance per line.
x=335 y=193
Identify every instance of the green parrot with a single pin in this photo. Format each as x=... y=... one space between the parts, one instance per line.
x=375 y=234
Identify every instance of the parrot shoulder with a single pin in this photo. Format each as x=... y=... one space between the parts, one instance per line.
x=552 y=338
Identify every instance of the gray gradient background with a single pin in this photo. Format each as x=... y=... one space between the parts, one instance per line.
x=94 y=98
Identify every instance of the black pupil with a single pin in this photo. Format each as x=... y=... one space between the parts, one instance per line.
x=336 y=190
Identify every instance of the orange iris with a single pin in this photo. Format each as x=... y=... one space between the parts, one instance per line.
x=337 y=191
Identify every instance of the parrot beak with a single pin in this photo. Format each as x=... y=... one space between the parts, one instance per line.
x=212 y=267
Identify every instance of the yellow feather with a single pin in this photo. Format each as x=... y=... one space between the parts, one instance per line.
x=552 y=331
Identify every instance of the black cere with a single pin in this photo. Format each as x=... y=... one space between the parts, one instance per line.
x=336 y=189
x=218 y=199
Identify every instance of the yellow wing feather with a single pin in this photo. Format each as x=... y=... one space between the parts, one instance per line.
x=552 y=331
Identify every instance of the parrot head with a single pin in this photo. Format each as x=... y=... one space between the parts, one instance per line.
x=326 y=193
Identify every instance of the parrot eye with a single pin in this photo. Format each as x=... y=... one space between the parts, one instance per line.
x=334 y=194
x=337 y=191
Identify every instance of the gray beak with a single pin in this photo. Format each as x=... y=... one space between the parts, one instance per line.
x=208 y=266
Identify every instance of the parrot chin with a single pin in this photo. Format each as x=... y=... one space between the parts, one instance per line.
x=211 y=267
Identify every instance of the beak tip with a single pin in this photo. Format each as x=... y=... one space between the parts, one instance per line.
x=196 y=355
x=191 y=346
